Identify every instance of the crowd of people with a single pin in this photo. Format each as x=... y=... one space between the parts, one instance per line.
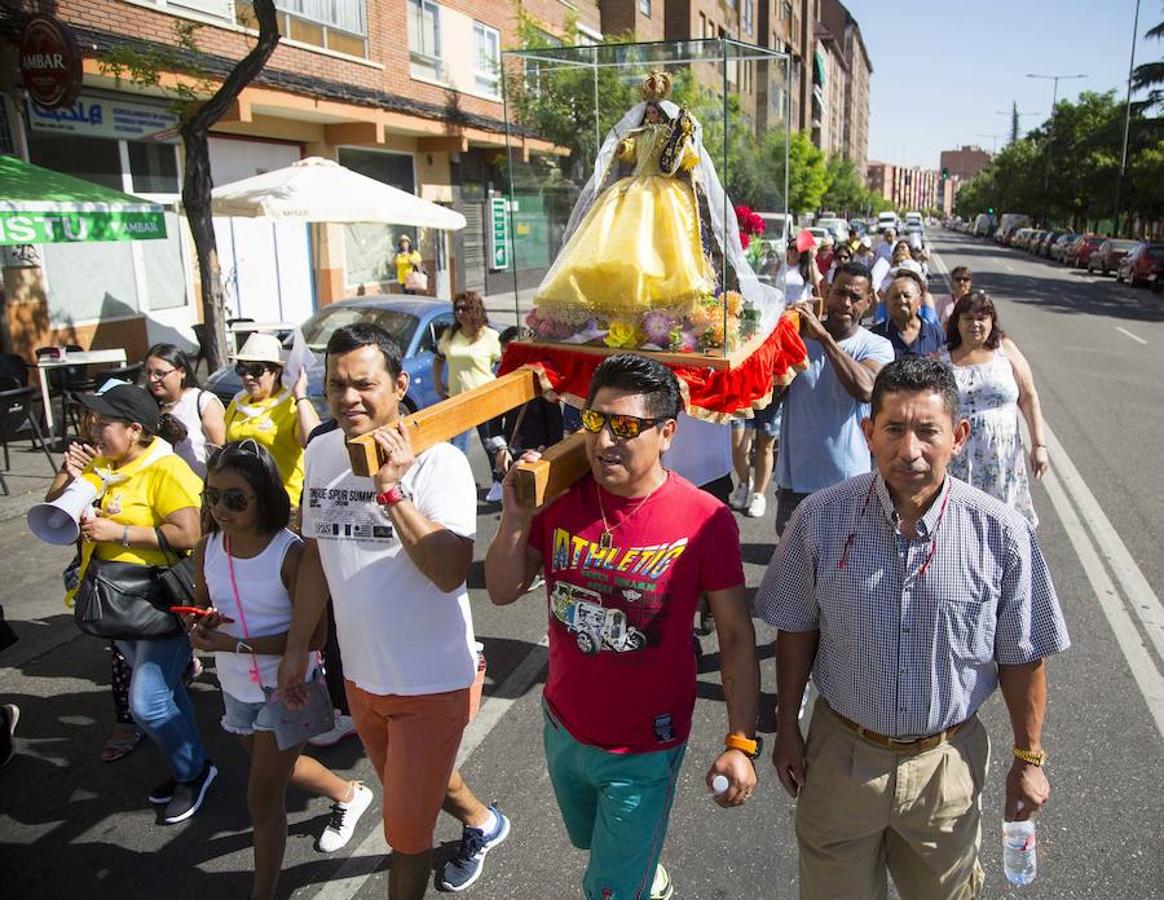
x=907 y=582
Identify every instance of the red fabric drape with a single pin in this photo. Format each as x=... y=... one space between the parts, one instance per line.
x=714 y=394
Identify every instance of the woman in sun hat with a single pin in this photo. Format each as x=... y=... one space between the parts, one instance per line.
x=279 y=418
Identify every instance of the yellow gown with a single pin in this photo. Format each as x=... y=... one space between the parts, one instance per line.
x=638 y=248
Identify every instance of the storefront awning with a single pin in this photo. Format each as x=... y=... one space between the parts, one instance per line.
x=40 y=206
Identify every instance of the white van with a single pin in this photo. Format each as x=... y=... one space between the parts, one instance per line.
x=886 y=220
x=911 y=217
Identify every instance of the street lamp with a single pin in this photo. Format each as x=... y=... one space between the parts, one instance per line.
x=1055 y=91
x=1115 y=222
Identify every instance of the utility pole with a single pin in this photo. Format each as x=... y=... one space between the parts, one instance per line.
x=1115 y=222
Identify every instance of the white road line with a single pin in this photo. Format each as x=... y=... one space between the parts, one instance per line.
x=1010 y=268
x=1134 y=337
x=355 y=871
x=1142 y=599
x=1128 y=637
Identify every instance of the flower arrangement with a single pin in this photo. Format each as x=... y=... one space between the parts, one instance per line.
x=751 y=224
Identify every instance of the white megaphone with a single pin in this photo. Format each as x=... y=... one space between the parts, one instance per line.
x=58 y=522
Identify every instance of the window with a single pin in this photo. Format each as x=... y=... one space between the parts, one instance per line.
x=424 y=39
x=219 y=9
x=339 y=25
x=487 y=64
x=347 y=15
x=154 y=168
x=746 y=21
x=645 y=7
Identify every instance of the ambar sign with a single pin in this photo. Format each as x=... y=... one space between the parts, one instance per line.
x=50 y=63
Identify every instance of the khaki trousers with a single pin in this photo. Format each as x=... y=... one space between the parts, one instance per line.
x=865 y=809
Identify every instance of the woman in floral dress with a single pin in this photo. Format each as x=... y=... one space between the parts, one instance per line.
x=995 y=385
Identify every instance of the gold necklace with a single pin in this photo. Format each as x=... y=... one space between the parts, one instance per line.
x=606 y=539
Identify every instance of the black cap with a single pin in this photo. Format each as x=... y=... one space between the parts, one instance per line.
x=124 y=401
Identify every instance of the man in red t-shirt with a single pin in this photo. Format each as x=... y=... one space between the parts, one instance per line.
x=626 y=554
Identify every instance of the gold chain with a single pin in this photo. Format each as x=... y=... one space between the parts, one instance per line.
x=606 y=540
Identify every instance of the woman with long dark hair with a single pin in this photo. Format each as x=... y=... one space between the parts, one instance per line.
x=174 y=384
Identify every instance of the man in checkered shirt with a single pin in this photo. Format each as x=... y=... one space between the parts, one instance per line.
x=909 y=596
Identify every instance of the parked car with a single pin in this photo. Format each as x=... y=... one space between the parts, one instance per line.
x=1108 y=256
x=839 y=227
x=415 y=323
x=1033 y=242
x=778 y=227
x=1045 y=244
x=1143 y=265
x=1020 y=237
x=1079 y=252
x=1061 y=244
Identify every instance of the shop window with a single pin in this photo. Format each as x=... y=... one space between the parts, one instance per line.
x=94 y=159
x=487 y=65
x=154 y=168
x=424 y=39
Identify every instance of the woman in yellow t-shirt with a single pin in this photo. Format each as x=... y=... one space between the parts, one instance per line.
x=406 y=260
x=146 y=492
x=279 y=419
x=470 y=349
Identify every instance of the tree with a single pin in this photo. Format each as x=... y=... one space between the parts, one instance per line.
x=195 y=120
x=846 y=192
x=808 y=177
x=1150 y=76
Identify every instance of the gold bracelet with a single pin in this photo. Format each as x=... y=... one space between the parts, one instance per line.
x=1034 y=757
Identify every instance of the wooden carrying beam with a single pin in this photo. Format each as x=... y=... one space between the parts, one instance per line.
x=539 y=482
x=447 y=419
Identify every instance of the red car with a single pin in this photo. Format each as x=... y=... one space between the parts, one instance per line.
x=1082 y=251
x=1109 y=254
x=1142 y=265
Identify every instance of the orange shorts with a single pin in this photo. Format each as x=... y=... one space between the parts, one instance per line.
x=412 y=743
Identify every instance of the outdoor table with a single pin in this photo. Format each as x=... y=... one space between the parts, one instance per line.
x=73 y=358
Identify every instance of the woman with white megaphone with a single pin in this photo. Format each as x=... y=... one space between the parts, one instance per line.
x=148 y=494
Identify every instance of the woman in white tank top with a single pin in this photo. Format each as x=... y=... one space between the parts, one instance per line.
x=246 y=565
x=171 y=379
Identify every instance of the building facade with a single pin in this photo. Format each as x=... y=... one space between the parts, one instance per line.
x=965 y=162
x=912 y=188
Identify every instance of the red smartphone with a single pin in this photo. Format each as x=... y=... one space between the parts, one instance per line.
x=197 y=611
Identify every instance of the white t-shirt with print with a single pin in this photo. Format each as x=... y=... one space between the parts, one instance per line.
x=398 y=632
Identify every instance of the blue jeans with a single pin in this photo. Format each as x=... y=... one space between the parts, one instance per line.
x=160 y=705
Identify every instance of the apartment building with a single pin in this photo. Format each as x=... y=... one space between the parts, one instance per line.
x=858 y=71
x=405 y=91
x=965 y=162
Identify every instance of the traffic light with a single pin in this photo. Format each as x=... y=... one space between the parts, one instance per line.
x=990 y=210
x=945 y=173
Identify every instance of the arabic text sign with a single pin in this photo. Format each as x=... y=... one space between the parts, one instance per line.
x=64 y=228
x=100 y=117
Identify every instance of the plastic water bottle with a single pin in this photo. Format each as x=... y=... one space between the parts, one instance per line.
x=719 y=784
x=1018 y=851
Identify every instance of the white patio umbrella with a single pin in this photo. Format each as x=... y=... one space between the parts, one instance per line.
x=320 y=190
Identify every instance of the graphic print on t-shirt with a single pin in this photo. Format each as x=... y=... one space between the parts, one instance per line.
x=608 y=598
x=347 y=514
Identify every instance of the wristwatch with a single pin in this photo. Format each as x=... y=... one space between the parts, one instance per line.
x=394 y=495
x=1034 y=757
x=750 y=748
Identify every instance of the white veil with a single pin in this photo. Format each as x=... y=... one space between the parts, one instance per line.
x=767 y=299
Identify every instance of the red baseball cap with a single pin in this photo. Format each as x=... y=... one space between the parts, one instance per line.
x=805 y=240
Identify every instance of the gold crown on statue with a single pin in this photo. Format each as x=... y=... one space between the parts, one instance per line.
x=656 y=86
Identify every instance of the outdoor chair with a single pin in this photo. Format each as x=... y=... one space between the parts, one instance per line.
x=13 y=368
x=64 y=382
x=18 y=422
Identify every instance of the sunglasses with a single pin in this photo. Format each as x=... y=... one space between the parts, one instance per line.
x=621 y=426
x=965 y=278
x=234 y=499
x=255 y=370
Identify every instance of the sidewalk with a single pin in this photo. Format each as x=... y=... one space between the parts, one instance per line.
x=500 y=306
x=28 y=479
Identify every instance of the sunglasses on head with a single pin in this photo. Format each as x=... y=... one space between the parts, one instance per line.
x=234 y=499
x=621 y=426
x=254 y=369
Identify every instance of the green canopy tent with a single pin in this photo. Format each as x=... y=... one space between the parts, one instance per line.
x=40 y=206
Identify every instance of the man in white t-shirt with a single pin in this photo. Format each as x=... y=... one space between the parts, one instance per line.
x=394 y=551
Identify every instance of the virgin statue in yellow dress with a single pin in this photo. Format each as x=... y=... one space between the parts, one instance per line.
x=636 y=269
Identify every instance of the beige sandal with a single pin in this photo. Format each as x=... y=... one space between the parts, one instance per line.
x=121 y=743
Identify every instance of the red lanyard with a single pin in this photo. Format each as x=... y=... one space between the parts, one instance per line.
x=843 y=561
x=255 y=676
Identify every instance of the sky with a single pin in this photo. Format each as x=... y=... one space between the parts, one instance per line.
x=944 y=69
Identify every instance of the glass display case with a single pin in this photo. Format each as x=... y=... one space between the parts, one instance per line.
x=643 y=183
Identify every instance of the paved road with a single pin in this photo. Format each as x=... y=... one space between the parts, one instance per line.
x=68 y=822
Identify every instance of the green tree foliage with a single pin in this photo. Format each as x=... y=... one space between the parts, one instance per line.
x=808 y=176
x=1150 y=75
x=1064 y=172
x=846 y=192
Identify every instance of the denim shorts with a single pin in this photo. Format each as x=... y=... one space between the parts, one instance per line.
x=240 y=717
x=766 y=420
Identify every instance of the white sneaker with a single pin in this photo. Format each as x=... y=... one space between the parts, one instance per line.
x=757 y=506
x=344 y=816
x=344 y=728
x=494 y=495
x=738 y=499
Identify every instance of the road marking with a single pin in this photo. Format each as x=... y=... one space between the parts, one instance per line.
x=355 y=871
x=1010 y=268
x=1128 y=637
x=1134 y=337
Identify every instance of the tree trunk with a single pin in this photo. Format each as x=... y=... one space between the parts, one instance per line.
x=197 y=183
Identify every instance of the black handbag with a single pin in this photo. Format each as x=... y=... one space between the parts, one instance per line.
x=123 y=601
x=176 y=582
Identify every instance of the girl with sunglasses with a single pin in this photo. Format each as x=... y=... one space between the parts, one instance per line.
x=279 y=418
x=246 y=565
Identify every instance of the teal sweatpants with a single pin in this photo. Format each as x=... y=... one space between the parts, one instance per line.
x=616 y=805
